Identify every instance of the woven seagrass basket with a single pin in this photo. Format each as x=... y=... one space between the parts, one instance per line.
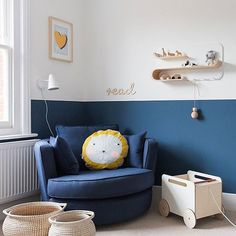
x=72 y=223
x=30 y=219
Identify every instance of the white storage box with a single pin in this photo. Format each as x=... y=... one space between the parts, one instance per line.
x=193 y=196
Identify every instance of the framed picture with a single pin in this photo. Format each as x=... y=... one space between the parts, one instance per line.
x=60 y=40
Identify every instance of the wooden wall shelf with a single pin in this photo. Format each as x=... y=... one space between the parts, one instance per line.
x=158 y=72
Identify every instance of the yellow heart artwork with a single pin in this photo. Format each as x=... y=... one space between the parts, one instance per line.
x=61 y=39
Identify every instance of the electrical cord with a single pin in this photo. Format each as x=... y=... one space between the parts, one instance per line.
x=46 y=113
x=196 y=92
x=219 y=208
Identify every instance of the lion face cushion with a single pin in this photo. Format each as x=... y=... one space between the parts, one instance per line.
x=105 y=149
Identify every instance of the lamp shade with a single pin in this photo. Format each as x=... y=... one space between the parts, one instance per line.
x=52 y=82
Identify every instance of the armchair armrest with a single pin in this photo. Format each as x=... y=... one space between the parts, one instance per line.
x=150 y=155
x=46 y=166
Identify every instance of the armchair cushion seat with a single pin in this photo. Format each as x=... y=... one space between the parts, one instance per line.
x=101 y=184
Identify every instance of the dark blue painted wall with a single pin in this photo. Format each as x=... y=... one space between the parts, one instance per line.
x=60 y=112
x=207 y=145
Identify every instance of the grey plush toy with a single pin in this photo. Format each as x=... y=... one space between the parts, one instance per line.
x=211 y=57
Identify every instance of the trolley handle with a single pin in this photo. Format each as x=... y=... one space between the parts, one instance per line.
x=203 y=179
x=174 y=181
x=194 y=174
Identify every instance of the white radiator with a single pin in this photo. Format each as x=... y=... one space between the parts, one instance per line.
x=18 y=175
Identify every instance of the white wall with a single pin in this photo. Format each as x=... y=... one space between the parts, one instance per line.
x=68 y=74
x=122 y=35
x=114 y=43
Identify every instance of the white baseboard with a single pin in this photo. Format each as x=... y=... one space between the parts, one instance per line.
x=229 y=199
x=19 y=197
x=19 y=201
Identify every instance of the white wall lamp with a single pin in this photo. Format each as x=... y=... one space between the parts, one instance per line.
x=49 y=84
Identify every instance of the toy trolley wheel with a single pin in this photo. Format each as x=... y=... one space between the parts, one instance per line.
x=189 y=218
x=164 y=208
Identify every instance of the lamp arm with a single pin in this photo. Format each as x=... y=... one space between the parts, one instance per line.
x=41 y=84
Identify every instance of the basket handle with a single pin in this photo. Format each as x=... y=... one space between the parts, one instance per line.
x=7 y=211
x=89 y=213
x=62 y=205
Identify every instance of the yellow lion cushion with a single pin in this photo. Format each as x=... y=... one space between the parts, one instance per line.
x=105 y=149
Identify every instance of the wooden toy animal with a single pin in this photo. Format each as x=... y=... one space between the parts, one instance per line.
x=189 y=63
x=176 y=76
x=157 y=54
x=171 y=54
x=163 y=52
x=178 y=53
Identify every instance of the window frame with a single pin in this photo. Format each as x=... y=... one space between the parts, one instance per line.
x=20 y=69
x=8 y=124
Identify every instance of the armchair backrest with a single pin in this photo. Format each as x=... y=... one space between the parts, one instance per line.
x=150 y=153
x=46 y=166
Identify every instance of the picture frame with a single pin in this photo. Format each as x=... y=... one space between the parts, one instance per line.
x=60 y=40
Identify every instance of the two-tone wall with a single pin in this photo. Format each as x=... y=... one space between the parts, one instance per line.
x=113 y=48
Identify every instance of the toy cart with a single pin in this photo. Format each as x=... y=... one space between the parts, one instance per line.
x=193 y=196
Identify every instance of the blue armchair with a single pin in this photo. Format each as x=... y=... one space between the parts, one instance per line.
x=114 y=195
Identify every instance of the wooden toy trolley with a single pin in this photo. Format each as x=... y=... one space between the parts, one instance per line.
x=193 y=196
